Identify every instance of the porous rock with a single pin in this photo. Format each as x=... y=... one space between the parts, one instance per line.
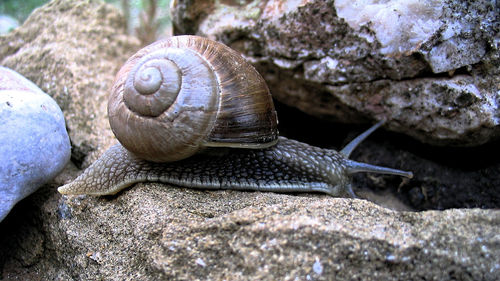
x=34 y=144
x=156 y=232
x=72 y=50
x=431 y=68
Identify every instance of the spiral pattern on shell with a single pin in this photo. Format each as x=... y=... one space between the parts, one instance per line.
x=179 y=95
x=153 y=85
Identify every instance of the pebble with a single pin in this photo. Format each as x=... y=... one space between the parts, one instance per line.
x=7 y=23
x=34 y=144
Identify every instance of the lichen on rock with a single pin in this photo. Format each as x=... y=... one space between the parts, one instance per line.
x=342 y=60
x=400 y=26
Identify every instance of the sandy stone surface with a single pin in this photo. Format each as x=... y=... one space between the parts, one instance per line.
x=153 y=232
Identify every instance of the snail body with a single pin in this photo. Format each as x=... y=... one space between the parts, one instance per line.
x=192 y=112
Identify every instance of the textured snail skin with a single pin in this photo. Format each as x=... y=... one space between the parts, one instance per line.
x=289 y=166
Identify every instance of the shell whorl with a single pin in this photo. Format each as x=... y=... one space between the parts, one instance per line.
x=178 y=95
x=152 y=85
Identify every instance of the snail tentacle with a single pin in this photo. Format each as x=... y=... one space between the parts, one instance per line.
x=349 y=148
x=357 y=167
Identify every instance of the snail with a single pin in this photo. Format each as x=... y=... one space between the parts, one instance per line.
x=191 y=112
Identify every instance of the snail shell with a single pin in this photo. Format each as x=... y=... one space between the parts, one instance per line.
x=179 y=95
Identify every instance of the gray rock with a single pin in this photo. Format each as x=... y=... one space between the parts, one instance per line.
x=156 y=232
x=77 y=71
x=34 y=144
x=7 y=23
x=431 y=68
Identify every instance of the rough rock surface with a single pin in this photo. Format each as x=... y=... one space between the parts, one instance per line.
x=72 y=52
x=431 y=68
x=156 y=232
x=34 y=144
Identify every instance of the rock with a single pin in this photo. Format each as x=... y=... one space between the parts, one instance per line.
x=77 y=71
x=7 y=23
x=34 y=144
x=431 y=68
x=156 y=232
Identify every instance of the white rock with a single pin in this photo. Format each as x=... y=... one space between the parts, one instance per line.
x=34 y=144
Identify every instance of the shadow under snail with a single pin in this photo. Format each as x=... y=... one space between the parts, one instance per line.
x=191 y=112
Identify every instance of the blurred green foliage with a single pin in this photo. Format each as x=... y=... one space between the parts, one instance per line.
x=146 y=19
x=19 y=9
